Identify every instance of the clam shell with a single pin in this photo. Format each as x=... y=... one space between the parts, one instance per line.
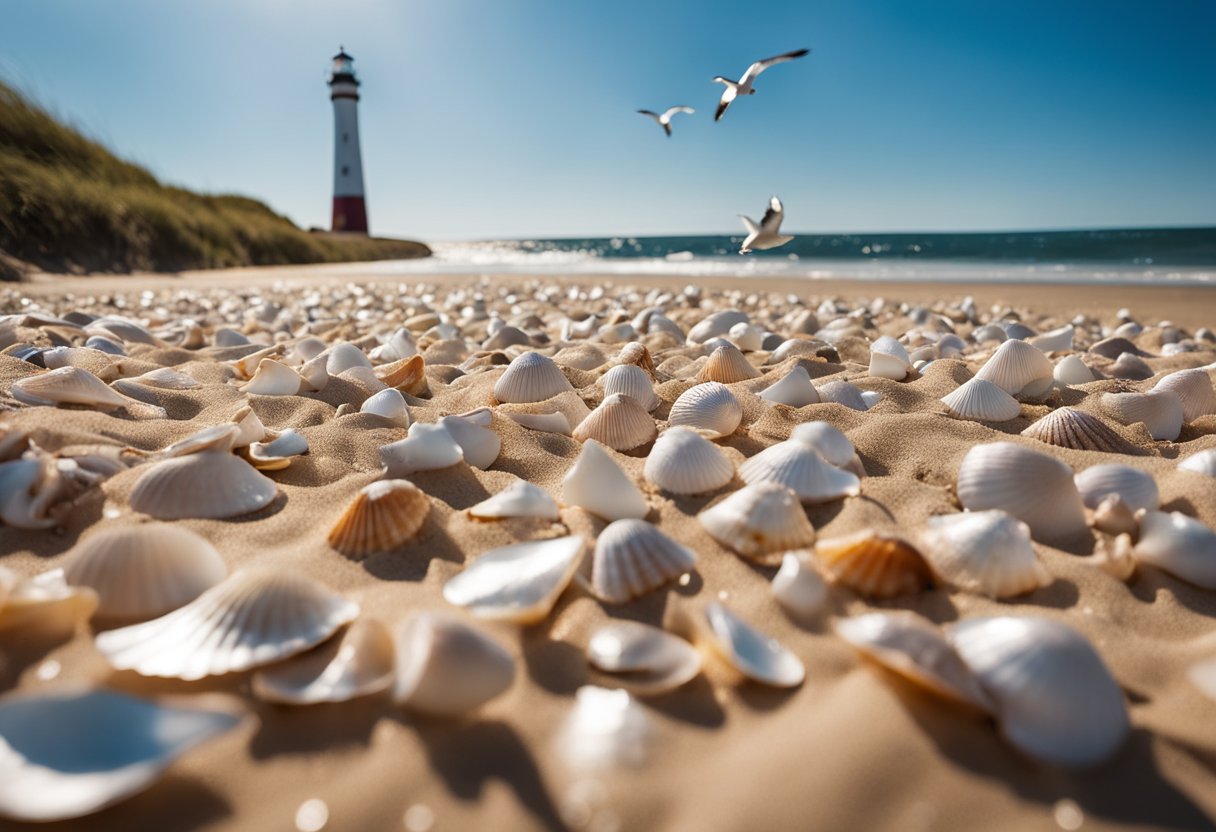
x=1201 y=462
x=635 y=353
x=425 y=448
x=794 y=389
x=383 y=516
x=144 y=571
x=520 y=499
x=273 y=378
x=717 y=324
x=828 y=440
x=1194 y=389
x=1178 y=544
x=1017 y=367
x=1134 y=487
x=1057 y=340
x=479 y=444
x=710 y=409
x=1161 y=412
x=760 y=522
x=752 y=653
x=727 y=365
x=596 y=483
x=520 y=582
x=212 y=484
x=982 y=401
x=798 y=586
x=69 y=753
x=1068 y=427
x=1071 y=370
x=633 y=558
x=531 y=377
x=388 y=404
x=843 y=393
x=746 y=337
x=645 y=659
x=46 y=602
x=1131 y=367
x=447 y=668
x=632 y=381
x=988 y=552
x=1035 y=488
x=620 y=422
x=358 y=663
x=343 y=356
x=253 y=618
x=72 y=385
x=874 y=564
x=684 y=462
x=1055 y=698
x=889 y=359
x=802 y=470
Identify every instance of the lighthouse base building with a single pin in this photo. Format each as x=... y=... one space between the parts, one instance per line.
x=350 y=208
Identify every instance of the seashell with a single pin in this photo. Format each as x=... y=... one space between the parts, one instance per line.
x=874 y=564
x=827 y=440
x=1161 y=412
x=531 y=377
x=162 y=378
x=314 y=374
x=1114 y=347
x=359 y=663
x=520 y=499
x=1071 y=370
x=645 y=659
x=1018 y=368
x=276 y=454
x=384 y=515
x=632 y=558
x=1194 y=389
x=637 y=354
x=273 y=378
x=1068 y=427
x=447 y=668
x=364 y=378
x=425 y=448
x=388 y=404
x=520 y=582
x=596 y=483
x=556 y=415
x=1178 y=544
x=1055 y=698
x=482 y=417
x=684 y=462
x=988 y=332
x=1114 y=556
x=72 y=385
x=632 y=381
x=28 y=491
x=1136 y=488
x=343 y=356
x=1057 y=340
x=506 y=336
x=606 y=729
x=1130 y=366
x=106 y=345
x=246 y=366
x=1202 y=462
x=717 y=324
x=617 y=334
x=69 y=753
x=1114 y=516
x=798 y=586
x=727 y=366
x=711 y=409
x=407 y=375
x=746 y=337
x=479 y=444
x=96 y=362
x=794 y=389
x=211 y=484
x=620 y=422
x=843 y=393
x=144 y=571
x=889 y=359
x=127 y=330
x=802 y=470
x=249 y=427
x=1035 y=488
x=752 y=653
x=215 y=438
x=397 y=346
x=987 y=552
x=253 y=618
x=543 y=422
x=982 y=401
x=759 y=522
x=46 y=602
x=916 y=650
x=1017 y=330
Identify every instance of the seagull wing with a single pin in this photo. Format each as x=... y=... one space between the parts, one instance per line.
x=751 y=227
x=761 y=65
x=654 y=116
x=671 y=111
x=771 y=223
x=666 y=128
x=728 y=95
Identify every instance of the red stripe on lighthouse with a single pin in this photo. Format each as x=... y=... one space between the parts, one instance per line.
x=350 y=214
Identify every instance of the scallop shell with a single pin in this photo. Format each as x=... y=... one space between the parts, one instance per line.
x=913 y=648
x=727 y=365
x=1055 y=698
x=988 y=552
x=273 y=378
x=793 y=389
x=802 y=470
x=520 y=582
x=425 y=448
x=479 y=444
x=889 y=359
x=982 y=401
x=1035 y=488
x=1178 y=544
x=1201 y=462
x=358 y=663
x=69 y=753
x=72 y=385
x=710 y=409
x=143 y=571
x=596 y=483
x=684 y=462
x=253 y=618
x=843 y=393
x=1071 y=370
x=383 y=516
x=212 y=484
x=874 y=564
x=406 y=374
x=1068 y=427
x=632 y=381
x=1194 y=389
x=1017 y=367
x=520 y=499
x=798 y=586
x=752 y=653
x=635 y=353
x=633 y=558
x=447 y=668
x=1134 y=487
x=1161 y=412
x=388 y=404
x=620 y=422
x=643 y=658
x=531 y=377
x=759 y=521
x=828 y=440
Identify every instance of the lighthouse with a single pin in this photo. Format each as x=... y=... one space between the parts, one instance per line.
x=350 y=211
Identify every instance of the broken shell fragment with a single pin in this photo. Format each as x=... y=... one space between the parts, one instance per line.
x=520 y=499
x=798 y=586
x=520 y=582
x=794 y=389
x=447 y=668
x=596 y=483
x=425 y=448
x=360 y=662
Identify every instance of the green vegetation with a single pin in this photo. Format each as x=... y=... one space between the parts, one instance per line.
x=69 y=204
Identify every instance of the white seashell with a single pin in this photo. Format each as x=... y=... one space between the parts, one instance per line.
x=596 y=483
x=843 y=393
x=46 y=602
x=620 y=422
x=1114 y=516
x=631 y=380
x=982 y=401
x=870 y=398
x=988 y=332
x=397 y=346
x=798 y=586
x=684 y=462
x=794 y=389
x=1018 y=368
x=1203 y=676
x=72 y=385
x=388 y=404
x=1134 y=487
x=709 y=408
x=828 y=440
x=727 y=365
x=447 y=668
x=617 y=334
x=556 y=415
x=1202 y=462
x=520 y=499
x=276 y=454
x=1178 y=544
x=605 y=729
x=141 y=572
x=359 y=663
x=531 y=377
x=215 y=438
x=645 y=659
x=1055 y=698
x=483 y=417
x=1068 y=427
x=253 y=618
x=28 y=489
x=913 y=648
x=69 y=753
x=273 y=378
x=314 y=374
x=988 y=552
x=752 y=653
x=802 y=470
x=249 y=427
x=1071 y=370
x=425 y=448
x=543 y=422
x=715 y=325
x=1194 y=389
x=1161 y=412
x=1057 y=340
x=479 y=444
x=633 y=558
x=520 y=582
x=163 y=378
x=759 y=521
x=343 y=356
x=212 y=484
x=889 y=359
x=1035 y=488
x=746 y=337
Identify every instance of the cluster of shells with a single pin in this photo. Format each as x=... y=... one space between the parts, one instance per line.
x=754 y=414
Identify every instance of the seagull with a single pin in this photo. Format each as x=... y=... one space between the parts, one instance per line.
x=765 y=236
x=665 y=119
x=744 y=86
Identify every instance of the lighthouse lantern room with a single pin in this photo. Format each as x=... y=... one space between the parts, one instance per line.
x=350 y=210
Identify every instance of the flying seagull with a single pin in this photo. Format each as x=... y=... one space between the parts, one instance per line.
x=744 y=85
x=766 y=235
x=665 y=119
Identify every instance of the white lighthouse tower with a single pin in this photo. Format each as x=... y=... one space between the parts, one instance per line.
x=350 y=211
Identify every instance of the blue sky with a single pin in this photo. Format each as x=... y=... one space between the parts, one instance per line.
x=483 y=118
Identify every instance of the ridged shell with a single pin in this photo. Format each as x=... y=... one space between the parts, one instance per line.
x=632 y=381
x=874 y=564
x=358 y=663
x=72 y=385
x=632 y=558
x=596 y=483
x=635 y=353
x=683 y=461
x=798 y=586
x=759 y=521
x=383 y=516
x=644 y=659
x=531 y=377
x=1161 y=412
x=1071 y=370
x=1194 y=389
x=889 y=359
x=144 y=571
x=479 y=444
x=802 y=470
x=253 y=618
x=727 y=365
x=843 y=393
x=1201 y=462
x=982 y=401
x=710 y=409
x=1055 y=698
x=1068 y=427
x=988 y=552
x=1178 y=544
x=828 y=440
x=389 y=405
x=447 y=668
x=1017 y=367
x=520 y=499
x=794 y=389
x=213 y=485
x=1035 y=488
x=752 y=653
x=1136 y=488
x=425 y=448
x=520 y=582
x=620 y=422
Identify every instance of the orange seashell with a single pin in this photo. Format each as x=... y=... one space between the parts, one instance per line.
x=727 y=365
x=382 y=516
x=876 y=565
x=406 y=375
x=635 y=352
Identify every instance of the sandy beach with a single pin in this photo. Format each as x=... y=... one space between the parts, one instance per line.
x=852 y=747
